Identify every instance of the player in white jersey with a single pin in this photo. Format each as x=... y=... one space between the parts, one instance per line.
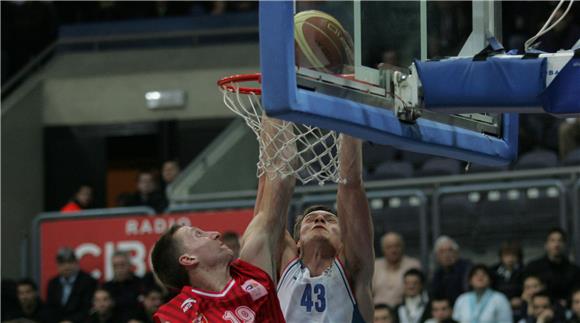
x=328 y=266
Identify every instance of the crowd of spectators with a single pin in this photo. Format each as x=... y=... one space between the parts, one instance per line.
x=544 y=290
x=150 y=190
x=74 y=296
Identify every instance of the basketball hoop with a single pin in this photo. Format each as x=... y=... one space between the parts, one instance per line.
x=316 y=154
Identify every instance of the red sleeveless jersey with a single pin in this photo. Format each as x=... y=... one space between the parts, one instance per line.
x=250 y=296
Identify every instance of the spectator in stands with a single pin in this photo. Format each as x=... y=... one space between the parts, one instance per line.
x=450 y=277
x=152 y=299
x=29 y=307
x=232 y=240
x=508 y=273
x=441 y=311
x=532 y=284
x=559 y=274
x=575 y=315
x=389 y=270
x=383 y=314
x=104 y=309
x=169 y=171
x=147 y=193
x=69 y=294
x=568 y=137
x=81 y=200
x=542 y=309
x=415 y=306
x=125 y=287
x=482 y=304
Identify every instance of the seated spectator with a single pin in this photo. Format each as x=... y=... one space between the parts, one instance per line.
x=450 y=278
x=232 y=240
x=152 y=299
x=29 y=307
x=70 y=293
x=147 y=194
x=441 y=311
x=169 y=172
x=82 y=199
x=389 y=270
x=125 y=287
x=104 y=309
x=575 y=315
x=383 y=314
x=508 y=273
x=482 y=304
x=568 y=136
x=415 y=306
x=559 y=274
x=542 y=309
x=532 y=285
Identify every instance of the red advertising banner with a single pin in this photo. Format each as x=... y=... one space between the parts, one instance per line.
x=96 y=239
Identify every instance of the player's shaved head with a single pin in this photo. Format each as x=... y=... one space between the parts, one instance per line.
x=165 y=260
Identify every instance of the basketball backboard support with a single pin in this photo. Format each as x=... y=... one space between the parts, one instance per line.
x=359 y=105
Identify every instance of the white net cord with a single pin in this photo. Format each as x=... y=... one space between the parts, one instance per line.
x=315 y=156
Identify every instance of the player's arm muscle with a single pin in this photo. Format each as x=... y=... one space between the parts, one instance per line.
x=264 y=239
x=356 y=224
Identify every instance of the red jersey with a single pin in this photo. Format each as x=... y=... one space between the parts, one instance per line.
x=71 y=207
x=250 y=296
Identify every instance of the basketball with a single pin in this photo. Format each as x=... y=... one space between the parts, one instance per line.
x=321 y=42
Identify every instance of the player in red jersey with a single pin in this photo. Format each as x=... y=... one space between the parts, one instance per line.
x=214 y=287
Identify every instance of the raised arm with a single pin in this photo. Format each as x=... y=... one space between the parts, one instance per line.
x=263 y=240
x=356 y=225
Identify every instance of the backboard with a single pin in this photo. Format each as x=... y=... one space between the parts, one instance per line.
x=387 y=36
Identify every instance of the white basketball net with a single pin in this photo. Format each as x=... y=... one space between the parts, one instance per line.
x=316 y=154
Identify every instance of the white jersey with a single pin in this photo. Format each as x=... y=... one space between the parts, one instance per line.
x=323 y=299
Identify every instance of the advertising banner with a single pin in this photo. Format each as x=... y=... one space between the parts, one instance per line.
x=95 y=239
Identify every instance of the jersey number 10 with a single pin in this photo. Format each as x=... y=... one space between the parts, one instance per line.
x=314 y=297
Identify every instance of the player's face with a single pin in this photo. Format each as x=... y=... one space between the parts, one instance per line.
x=320 y=226
x=205 y=246
x=441 y=310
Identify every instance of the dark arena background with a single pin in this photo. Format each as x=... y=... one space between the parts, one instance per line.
x=113 y=130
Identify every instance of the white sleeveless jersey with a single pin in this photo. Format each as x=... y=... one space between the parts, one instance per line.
x=323 y=299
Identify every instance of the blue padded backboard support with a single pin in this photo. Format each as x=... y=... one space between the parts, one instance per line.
x=282 y=99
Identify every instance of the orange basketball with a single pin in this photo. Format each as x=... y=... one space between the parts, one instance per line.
x=321 y=42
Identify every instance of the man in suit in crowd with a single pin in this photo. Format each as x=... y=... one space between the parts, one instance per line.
x=70 y=293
